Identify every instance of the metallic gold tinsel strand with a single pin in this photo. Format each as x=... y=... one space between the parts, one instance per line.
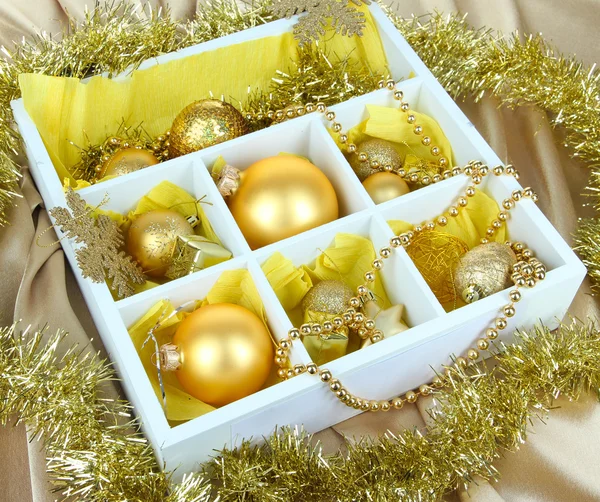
x=95 y=451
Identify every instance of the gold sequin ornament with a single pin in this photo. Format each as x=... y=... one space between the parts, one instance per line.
x=380 y=154
x=331 y=297
x=205 y=123
x=127 y=160
x=152 y=239
x=385 y=186
x=436 y=254
x=484 y=270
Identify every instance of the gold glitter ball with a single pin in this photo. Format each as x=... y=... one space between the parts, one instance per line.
x=205 y=123
x=484 y=270
x=128 y=160
x=331 y=297
x=377 y=149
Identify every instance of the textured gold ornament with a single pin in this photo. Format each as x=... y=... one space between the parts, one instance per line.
x=378 y=150
x=330 y=297
x=128 y=160
x=152 y=239
x=205 y=123
x=385 y=186
x=278 y=197
x=436 y=254
x=220 y=353
x=484 y=270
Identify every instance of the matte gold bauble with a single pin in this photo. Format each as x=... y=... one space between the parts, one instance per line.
x=377 y=150
x=128 y=160
x=484 y=270
x=331 y=297
x=223 y=353
x=153 y=237
x=385 y=186
x=205 y=123
x=278 y=197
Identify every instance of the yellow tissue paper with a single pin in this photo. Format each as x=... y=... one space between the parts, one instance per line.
x=390 y=124
x=346 y=260
x=470 y=224
x=66 y=110
x=233 y=286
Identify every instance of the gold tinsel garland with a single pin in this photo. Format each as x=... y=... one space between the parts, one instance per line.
x=95 y=451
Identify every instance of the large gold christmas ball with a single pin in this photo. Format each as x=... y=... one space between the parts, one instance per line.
x=376 y=149
x=128 y=160
x=331 y=297
x=484 y=270
x=152 y=239
x=282 y=196
x=205 y=123
x=385 y=186
x=225 y=353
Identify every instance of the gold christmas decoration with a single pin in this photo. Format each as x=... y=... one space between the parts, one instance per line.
x=127 y=160
x=101 y=257
x=193 y=253
x=388 y=321
x=205 y=123
x=320 y=14
x=330 y=297
x=152 y=239
x=484 y=270
x=385 y=186
x=379 y=151
x=220 y=353
x=436 y=254
x=278 y=197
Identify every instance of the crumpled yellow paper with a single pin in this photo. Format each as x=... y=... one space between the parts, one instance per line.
x=346 y=260
x=66 y=110
x=471 y=223
x=165 y=195
x=233 y=286
x=391 y=125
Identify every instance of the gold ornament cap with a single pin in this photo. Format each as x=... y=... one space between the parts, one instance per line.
x=169 y=357
x=229 y=180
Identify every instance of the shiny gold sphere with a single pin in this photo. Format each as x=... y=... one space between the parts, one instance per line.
x=331 y=297
x=225 y=353
x=152 y=238
x=385 y=186
x=379 y=150
x=205 y=123
x=282 y=196
x=128 y=160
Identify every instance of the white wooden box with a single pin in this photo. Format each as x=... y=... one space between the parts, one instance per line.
x=386 y=369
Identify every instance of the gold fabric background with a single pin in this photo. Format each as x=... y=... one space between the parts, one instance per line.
x=559 y=462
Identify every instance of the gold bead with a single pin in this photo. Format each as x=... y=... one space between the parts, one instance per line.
x=462 y=202
x=376 y=338
x=362 y=290
x=502 y=215
x=509 y=311
x=411 y=397
x=366 y=406
x=470 y=191
x=398 y=95
x=517 y=195
x=456 y=171
x=390 y=84
x=316 y=329
x=374 y=164
x=443 y=161
x=411 y=119
x=374 y=405
x=418 y=130
x=280 y=360
x=425 y=390
x=496 y=224
x=435 y=151
x=508 y=204
x=437 y=382
x=370 y=324
x=282 y=372
x=418 y=228
x=515 y=295
x=377 y=264
x=342 y=394
x=405 y=107
x=498 y=170
x=483 y=344
x=306 y=329
x=492 y=333
x=335 y=385
x=384 y=253
x=325 y=375
x=351 y=147
x=321 y=107
x=362 y=156
x=426 y=180
x=336 y=126
x=461 y=362
x=359 y=318
x=338 y=322
x=442 y=221
x=398 y=403
x=280 y=352
x=426 y=141
x=501 y=323
x=354 y=302
x=370 y=276
x=447 y=174
x=343 y=138
x=327 y=326
x=395 y=242
x=299 y=369
x=453 y=211
x=312 y=368
x=472 y=354
x=285 y=344
x=477 y=179
x=384 y=405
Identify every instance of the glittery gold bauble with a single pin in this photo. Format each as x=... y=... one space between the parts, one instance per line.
x=385 y=186
x=281 y=196
x=224 y=352
x=436 y=254
x=376 y=149
x=152 y=239
x=484 y=270
x=330 y=297
x=128 y=160
x=205 y=123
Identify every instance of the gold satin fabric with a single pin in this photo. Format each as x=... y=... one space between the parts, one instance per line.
x=559 y=462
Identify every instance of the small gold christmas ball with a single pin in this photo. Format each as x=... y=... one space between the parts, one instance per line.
x=282 y=196
x=225 y=353
x=152 y=239
x=331 y=297
x=385 y=186
x=377 y=150
x=484 y=270
x=128 y=160
x=205 y=123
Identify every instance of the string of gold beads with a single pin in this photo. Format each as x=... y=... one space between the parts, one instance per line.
x=527 y=272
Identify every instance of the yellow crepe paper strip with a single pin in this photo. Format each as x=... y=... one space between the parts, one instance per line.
x=346 y=260
x=233 y=286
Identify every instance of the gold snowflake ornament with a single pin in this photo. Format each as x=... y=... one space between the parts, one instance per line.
x=101 y=257
x=340 y=14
